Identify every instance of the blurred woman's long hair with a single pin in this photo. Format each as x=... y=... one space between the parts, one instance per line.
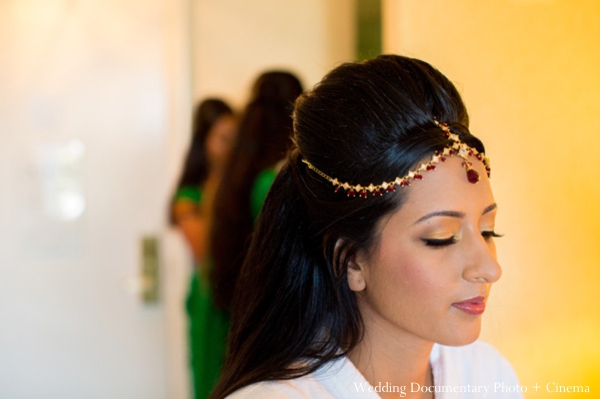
x=263 y=140
x=196 y=166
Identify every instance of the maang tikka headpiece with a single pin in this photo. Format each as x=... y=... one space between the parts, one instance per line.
x=454 y=148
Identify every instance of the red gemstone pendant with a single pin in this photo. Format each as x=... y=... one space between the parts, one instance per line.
x=472 y=176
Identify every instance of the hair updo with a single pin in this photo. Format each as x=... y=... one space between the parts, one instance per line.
x=364 y=123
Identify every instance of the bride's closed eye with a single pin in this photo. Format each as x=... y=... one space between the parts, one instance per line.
x=439 y=242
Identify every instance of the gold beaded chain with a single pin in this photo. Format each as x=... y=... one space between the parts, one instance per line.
x=456 y=147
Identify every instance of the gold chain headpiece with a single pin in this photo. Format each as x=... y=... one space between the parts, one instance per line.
x=455 y=147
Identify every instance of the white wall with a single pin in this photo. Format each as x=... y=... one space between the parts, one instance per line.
x=105 y=74
x=120 y=76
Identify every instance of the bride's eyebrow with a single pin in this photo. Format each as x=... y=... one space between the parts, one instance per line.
x=453 y=214
x=490 y=208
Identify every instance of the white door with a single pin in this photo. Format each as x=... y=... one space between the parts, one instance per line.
x=86 y=113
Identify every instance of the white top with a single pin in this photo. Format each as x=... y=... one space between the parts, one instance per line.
x=477 y=370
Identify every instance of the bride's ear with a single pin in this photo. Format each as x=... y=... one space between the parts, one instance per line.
x=356 y=277
x=355 y=274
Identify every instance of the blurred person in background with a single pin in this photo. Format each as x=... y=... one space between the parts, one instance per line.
x=263 y=140
x=214 y=129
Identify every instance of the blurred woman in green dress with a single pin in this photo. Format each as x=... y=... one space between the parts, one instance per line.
x=213 y=133
x=216 y=215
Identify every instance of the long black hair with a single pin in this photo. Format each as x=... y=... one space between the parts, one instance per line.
x=264 y=137
x=196 y=167
x=364 y=123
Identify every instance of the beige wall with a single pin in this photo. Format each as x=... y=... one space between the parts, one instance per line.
x=233 y=41
x=529 y=73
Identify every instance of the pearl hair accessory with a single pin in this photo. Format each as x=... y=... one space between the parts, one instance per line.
x=454 y=148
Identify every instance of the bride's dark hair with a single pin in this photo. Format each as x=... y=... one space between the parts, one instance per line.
x=364 y=123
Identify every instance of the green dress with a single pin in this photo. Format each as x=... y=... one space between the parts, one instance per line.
x=261 y=187
x=208 y=325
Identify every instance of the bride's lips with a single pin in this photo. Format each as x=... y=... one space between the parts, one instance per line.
x=475 y=305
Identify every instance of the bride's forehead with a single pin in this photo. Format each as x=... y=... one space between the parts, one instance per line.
x=448 y=187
